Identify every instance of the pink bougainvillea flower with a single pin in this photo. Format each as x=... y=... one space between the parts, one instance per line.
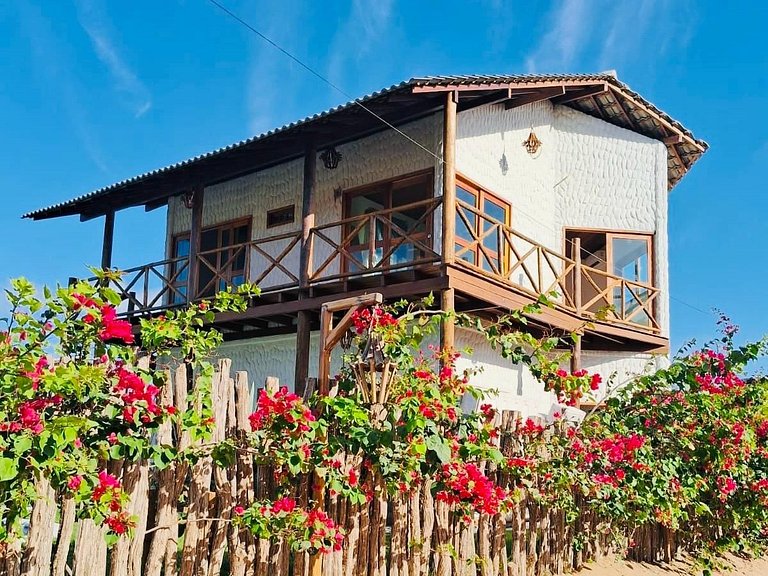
x=114 y=329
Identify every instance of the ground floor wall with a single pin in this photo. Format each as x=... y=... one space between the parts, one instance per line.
x=509 y=386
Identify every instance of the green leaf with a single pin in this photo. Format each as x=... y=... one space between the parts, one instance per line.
x=22 y=444
x=439 y=447
x=8 y=469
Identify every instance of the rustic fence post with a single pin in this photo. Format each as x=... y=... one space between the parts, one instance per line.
x=36 y=559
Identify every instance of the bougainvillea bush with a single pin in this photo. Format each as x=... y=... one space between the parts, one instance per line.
x=685 y=447
x=73 y=396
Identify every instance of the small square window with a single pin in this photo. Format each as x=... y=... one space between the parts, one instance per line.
x=281 y=216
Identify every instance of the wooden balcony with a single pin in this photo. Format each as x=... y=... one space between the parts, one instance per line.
x=493 y=265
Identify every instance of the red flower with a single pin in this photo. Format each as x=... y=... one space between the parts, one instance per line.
x=238 y=510
x=107 y=484
x=287 y=505
x=114 y=329
x=29 y=417
x=81 y=301
x=74 y=483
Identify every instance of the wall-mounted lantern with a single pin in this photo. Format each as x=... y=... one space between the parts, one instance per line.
x=188 y=198
x=532 y=143
x=331 y=158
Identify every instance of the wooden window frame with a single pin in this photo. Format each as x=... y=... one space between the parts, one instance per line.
x=291 y=207
x=649 y=237
x=230 y=225
x=481 y=194
x=389 y=186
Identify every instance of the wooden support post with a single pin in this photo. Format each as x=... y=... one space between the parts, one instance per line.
x=330 y=335
x=304 y=318
x=308 y=213
x=576 y=354
x=195 y=232
x=449 y=177
x=106 y=245
x=301 y=373
x=577 y=302
x=447 y=302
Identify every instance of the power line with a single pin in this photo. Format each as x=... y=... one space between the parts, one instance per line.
x=314 y=72
x=357 y=102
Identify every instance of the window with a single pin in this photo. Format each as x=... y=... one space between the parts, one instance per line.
x=222 y=260
x=398 y=221
x=476 y=240
x=281 y=216
x=610 y=255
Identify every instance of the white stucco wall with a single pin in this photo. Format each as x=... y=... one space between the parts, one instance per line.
x=587 y=174
x=378 y=157
x=511 y=387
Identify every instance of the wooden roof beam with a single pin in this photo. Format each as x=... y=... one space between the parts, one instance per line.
x=673 y=151
x=538 y=96
x=624 y=112
x=668 y=125
x=495 y=97
x=480 y=87
x=571 y=95
x=674 y=139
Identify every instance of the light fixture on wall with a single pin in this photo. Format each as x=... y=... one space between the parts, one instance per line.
x=188 y=198
x=331 y=158
x=532 y=143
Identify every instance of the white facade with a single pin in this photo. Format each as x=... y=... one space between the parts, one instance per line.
x=587 y=174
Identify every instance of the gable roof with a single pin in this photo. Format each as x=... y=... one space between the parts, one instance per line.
x=599 y=95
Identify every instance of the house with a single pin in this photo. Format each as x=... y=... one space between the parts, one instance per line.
x=487 y=190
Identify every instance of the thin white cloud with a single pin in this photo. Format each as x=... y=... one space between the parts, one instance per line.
x=604 y=34
x=569 y=26
x=270 y=72
x=369 y=23
x=97 y=26
x=48 y=58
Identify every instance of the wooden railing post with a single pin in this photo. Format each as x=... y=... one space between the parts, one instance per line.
x=449 y=211
x=449 y=177
x=577 y=275
x=195 y=232
x=106 y=246
x=304 y=317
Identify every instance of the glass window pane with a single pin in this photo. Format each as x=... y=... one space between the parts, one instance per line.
x=182 y=247
x=495 y=210
x=466 y=196
x=468 y=256
x=410 y=193
x=241 y=234
x=630 y=259
x=209 y=240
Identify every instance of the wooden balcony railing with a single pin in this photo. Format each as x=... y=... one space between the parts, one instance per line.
x=619 y=300
x=377 y=242
x=271 y=263
x=496 y=250
x=152 y=287
x=391 y=240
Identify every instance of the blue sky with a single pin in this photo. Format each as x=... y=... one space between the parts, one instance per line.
x=96 y=91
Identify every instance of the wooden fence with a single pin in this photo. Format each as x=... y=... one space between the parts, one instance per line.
x=184 y=523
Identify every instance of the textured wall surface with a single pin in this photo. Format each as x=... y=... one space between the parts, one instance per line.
x=514 y=386
x=587 y=174
x=379 y=157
